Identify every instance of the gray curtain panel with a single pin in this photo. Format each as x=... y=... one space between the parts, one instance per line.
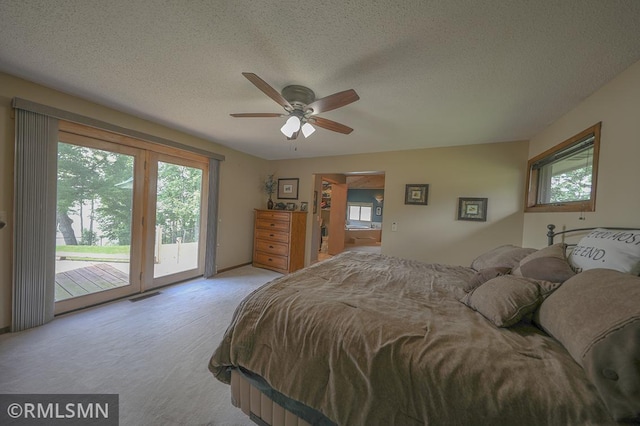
x=36 y=138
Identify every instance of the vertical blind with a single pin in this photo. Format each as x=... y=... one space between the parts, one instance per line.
x=34 y=225
x=35 y=184
x=212 y=219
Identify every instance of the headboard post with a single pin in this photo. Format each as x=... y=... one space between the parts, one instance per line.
x=550 y=234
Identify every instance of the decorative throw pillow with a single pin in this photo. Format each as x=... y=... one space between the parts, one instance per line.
x=609 y=249
x=507 y=299
x=548 y=264
x=484 y=275
x=507 y=256
x=596 y=316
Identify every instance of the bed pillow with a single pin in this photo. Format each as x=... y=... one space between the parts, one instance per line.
x=484 y=275
x=507 y=256
x=610 y=249
x=596 y=316
x=548 y=264
x=507 y=299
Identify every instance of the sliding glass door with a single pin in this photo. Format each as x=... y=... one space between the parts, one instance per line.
x=96 y=255
x=131 y=216
x=177 y=209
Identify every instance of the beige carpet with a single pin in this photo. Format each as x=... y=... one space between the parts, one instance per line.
x=153 y=352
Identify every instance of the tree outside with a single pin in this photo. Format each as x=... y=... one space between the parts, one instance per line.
x=574 y=185
x=96 y=188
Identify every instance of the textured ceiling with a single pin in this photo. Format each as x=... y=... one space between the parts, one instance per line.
x=429 y=73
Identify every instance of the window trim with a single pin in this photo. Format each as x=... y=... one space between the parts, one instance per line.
x=532 y=184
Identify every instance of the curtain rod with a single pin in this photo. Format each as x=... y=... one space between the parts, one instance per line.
x=26 y=105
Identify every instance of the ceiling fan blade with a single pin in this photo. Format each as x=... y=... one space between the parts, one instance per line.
x=334 y=101
x=258 y=114
x=330 y=125
x=268 y=90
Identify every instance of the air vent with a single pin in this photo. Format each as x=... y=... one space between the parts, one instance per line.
x=144 y=296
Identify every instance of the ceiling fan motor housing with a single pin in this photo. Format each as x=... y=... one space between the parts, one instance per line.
x=298 y=96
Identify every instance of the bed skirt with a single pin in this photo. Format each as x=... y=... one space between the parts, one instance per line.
x=258 y=406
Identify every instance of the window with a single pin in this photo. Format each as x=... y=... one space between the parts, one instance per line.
x=362 y=212
x=563 y=178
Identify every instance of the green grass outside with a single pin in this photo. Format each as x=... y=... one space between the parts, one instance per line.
x=94 y=249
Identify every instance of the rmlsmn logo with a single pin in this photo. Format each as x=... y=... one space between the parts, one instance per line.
x=59 y=409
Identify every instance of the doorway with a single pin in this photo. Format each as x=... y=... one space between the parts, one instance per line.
x=351 y=217
x=130 y=216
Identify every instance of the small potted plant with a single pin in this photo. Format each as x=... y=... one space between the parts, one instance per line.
x=270 y=185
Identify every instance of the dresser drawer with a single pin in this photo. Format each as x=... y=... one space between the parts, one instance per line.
x=271 y=235
x=272 y=248
x=276 y=225
x=273 y=215
x=272 y=261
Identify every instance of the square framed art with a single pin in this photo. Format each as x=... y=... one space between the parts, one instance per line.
x=415 y=193
x=472 y=209
x=288 y=188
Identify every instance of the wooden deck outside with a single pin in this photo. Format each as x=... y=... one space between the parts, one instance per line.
x=89 y=279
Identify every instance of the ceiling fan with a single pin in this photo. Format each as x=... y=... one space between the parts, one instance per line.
x=301 y=107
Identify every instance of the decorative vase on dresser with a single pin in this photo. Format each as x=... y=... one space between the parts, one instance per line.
x=279 y=239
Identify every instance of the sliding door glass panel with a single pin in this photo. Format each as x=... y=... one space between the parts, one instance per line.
x=94 y=217
x=177 y=219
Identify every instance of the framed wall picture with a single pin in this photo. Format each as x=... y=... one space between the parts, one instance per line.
x=472 y=209
x=415 y=193
x=315 y=202
x=288 y=188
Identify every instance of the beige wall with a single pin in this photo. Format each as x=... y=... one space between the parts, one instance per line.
x=429 y=233
x=240 y=176
x=617 y=105
x=432 y=233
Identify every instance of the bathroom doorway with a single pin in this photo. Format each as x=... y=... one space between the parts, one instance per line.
x=350 y=209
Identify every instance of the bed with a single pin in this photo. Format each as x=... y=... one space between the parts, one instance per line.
x=521 y=336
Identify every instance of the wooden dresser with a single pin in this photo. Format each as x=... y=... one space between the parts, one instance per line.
x=278 y=240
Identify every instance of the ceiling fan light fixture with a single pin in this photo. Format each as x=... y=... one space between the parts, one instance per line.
x=300 y=103
x=307 y=130
x=291 y=126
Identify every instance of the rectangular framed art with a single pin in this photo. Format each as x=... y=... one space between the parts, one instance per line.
x=472 y=209
x=315 y=202
x=415 y=193
x=288 y=188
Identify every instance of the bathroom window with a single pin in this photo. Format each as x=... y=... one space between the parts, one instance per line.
x=361 y=212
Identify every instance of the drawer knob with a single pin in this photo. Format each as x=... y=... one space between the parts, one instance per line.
x=272 y=224
x=271 y=235
x=270 y=246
